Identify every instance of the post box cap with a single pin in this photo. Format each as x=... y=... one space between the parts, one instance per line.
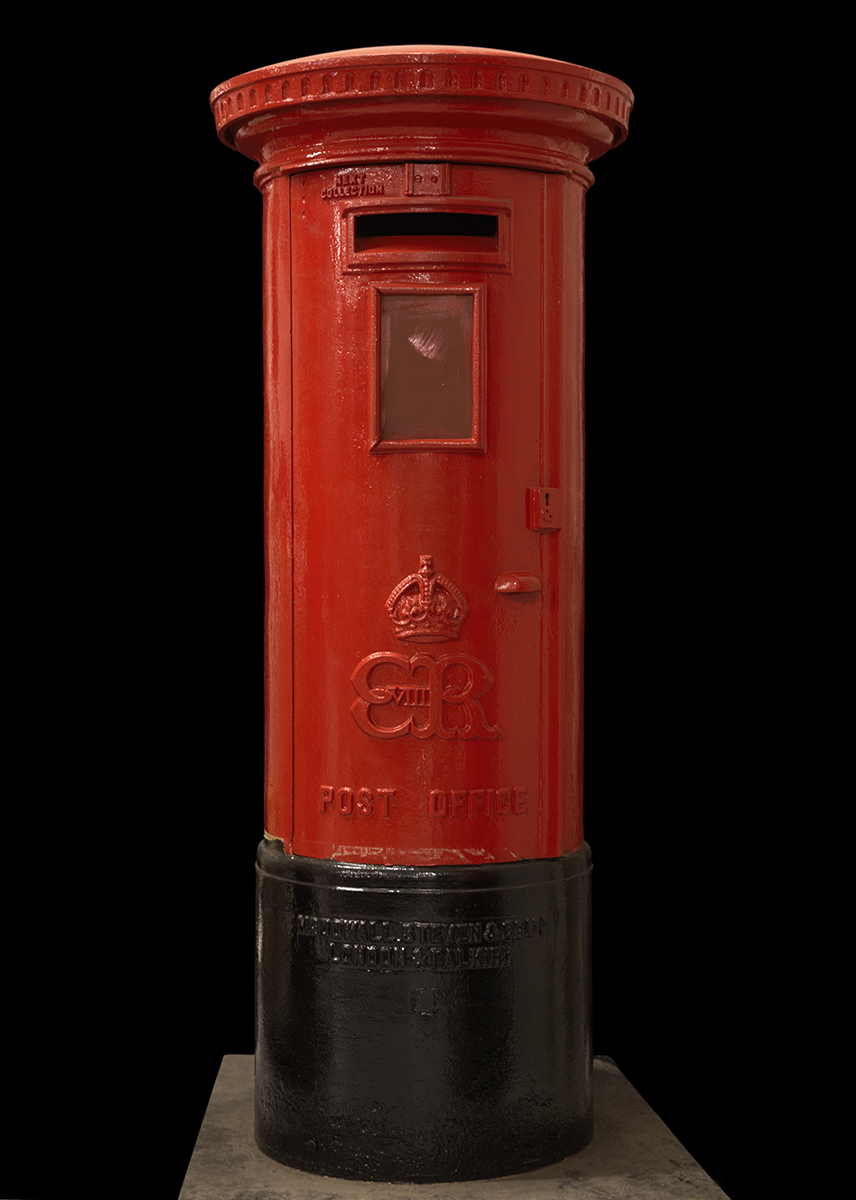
x=461 y=78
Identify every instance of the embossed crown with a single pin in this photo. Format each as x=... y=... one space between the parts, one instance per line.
x=426 y=607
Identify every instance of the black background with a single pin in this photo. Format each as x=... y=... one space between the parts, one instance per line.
x=133 y=920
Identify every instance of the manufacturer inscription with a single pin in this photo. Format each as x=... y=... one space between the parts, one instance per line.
x=416 y=945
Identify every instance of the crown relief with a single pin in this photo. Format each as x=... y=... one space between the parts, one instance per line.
x=427 y=607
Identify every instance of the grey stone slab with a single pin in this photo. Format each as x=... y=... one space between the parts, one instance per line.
x=633 y=1156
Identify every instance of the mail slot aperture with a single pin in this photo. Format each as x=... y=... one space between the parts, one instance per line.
x=424 y=230
x=437 y=232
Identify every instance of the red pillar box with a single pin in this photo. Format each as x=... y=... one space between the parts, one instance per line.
x=423 y=971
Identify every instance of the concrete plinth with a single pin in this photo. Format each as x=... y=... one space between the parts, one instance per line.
x=633 y=1156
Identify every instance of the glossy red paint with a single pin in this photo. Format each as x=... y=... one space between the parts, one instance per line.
x=423 y=235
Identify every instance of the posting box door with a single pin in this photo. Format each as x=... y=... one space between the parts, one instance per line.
x=427 y=504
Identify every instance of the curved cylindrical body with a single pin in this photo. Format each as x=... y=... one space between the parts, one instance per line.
x=423 y=881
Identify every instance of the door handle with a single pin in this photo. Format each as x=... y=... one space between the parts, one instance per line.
x=512 y=582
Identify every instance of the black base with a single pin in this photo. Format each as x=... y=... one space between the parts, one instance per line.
x=423 y=1024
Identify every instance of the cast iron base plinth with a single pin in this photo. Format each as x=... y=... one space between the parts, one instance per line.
x=423 y=1024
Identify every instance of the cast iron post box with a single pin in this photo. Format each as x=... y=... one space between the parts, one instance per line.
x=423 y=961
